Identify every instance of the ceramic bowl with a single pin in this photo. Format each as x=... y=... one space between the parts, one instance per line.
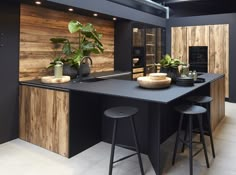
x=157 y=76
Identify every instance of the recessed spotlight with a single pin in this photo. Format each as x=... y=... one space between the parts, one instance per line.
x=70 y=9
x=114 y=19
x=95 y=14
x=38 y=2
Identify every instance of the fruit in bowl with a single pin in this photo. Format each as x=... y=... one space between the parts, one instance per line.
x=157 y=76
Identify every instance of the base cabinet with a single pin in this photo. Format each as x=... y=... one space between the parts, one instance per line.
x=44 y=118
x=217 y=92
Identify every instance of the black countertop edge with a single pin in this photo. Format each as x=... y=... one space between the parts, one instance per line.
x=127 y=88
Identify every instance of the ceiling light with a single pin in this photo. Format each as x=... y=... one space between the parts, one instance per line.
x=95 y=14
x=38 y=2
x=71 y=9
x=114 y=19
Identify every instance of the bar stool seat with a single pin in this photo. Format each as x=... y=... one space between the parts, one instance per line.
x=205 y=102
x=117 y=113
x=199 y=99
x=188 y=112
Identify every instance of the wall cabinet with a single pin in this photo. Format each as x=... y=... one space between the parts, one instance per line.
x=215 y=37
x=137 y=40
x=148 y=46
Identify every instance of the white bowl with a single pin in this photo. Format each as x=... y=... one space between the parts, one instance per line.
x=157 y=76
x=135 y=60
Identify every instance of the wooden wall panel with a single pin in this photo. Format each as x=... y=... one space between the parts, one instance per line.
x=216 y=37
x=179 y=43
x=39 y=24
x=197 y=36
x=219 y=52
x=44 y=118
x=217 y=91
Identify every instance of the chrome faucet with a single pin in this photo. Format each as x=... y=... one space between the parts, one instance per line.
x=86 y=58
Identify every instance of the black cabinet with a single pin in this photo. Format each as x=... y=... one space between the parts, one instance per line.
x=138 y=47
x=9 y=62
x=148 y=46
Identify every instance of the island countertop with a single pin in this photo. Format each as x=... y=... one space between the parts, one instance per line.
x=127 y=88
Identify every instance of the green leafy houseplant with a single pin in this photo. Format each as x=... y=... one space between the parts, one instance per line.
x=170 y=66
x=168 y=62
x=89 y=41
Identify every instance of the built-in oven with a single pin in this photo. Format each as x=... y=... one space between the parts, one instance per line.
x=198 y=58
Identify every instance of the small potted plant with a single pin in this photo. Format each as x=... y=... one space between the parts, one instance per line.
x=170 y=66
x=89 y=41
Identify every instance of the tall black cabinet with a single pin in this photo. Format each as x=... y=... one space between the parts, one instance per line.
x=138 y=47
x=9 y=61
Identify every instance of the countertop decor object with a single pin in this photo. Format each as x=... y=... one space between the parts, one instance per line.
x=147 y=82
x=53 y=79
x=158 y=76
x=89 y=42
x=184 y=81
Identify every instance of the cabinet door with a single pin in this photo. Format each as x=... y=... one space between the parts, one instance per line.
x=179 y=43
x=44 y=116
x=219 y=52
x=151 y=47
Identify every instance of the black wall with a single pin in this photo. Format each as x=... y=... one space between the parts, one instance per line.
x=208 y=20
x=9 y=56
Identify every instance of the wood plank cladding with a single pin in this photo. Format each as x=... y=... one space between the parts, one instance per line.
x=216 y=37
x=38 y=25
x=178 y=35
x=44 y=118
x=217 y=91
x=219 y=52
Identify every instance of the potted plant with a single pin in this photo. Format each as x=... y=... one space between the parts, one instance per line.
x=170 y=66
x=89 y=41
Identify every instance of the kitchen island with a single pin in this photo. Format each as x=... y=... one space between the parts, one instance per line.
x=77 y=109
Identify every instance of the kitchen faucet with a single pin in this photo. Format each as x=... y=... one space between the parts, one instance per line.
x=84 y=67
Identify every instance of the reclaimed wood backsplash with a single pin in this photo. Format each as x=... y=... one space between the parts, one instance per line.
x=38 y=25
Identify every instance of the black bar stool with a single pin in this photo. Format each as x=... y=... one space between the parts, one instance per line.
x=117 y=113
x=205 y=102
x=190 y=111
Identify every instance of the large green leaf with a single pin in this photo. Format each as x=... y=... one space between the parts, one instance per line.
x=74 y=26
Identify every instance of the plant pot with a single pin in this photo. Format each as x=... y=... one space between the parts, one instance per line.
x=70 y=71
x=173 y=73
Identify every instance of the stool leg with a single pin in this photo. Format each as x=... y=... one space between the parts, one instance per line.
x=185 y=137
x=190 y=146
x=177 y=138
x=113 y=147
x=210 y=130
x=203 y=140
x=136 y=144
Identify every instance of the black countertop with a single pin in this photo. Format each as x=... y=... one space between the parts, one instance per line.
x=127 y=88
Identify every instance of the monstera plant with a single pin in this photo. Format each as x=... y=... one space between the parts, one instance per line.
x=89 y=41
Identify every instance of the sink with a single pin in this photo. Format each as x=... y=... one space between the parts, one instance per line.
x=88 y=80
x=92 y=80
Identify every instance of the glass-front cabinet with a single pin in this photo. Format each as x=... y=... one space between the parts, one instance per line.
x=148 y=46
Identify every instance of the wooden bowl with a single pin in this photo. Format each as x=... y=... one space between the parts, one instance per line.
x=146 y=82
x=158 y=76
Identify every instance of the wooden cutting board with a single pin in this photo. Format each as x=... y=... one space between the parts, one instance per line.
x=52 y=79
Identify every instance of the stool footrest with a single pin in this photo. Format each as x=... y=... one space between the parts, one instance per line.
x=127 y=147
x=123 y=158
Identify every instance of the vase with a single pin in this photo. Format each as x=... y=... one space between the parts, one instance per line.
x=173 y=73
x=70 y=71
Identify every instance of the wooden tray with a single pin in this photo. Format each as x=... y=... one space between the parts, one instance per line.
x=52 y=79
x=146 y=82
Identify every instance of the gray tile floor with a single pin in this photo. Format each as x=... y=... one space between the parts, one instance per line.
x=21 y=158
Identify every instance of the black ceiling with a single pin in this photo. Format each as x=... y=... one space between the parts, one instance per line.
x=185 y=7
x=198 y=7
